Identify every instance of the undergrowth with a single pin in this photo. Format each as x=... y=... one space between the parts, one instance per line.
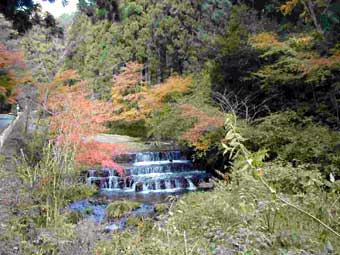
x=50 y=182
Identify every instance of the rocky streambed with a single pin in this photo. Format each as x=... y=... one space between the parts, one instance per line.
x=151 y=180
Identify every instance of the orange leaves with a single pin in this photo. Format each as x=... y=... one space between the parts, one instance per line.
x=66 y=76
x=124 y=90
x=264 y=40
x=10 y=63
x=132 y=100
x=205 y=122
x=154 y=97
x=288 y=7
x=10 y=59
x=76 y=117
x=129 y=78
x=325 y=61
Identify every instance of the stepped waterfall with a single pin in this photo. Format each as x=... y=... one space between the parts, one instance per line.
x=146 y=172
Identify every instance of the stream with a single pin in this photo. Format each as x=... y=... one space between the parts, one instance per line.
x=149 y=178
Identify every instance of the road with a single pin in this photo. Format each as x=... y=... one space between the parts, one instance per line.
x=5 y=120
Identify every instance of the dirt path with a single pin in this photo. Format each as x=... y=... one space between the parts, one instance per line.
x=10 y=185
x=9 y=188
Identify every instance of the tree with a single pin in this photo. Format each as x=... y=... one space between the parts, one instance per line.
x=76 y=119
x=42 y=50
x=25 y=13
x=100 y=9
x=135 y=100
x=12 y=68
x=319 y=12
x=204 y=122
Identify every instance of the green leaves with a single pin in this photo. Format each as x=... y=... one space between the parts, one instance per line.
x=233 y=145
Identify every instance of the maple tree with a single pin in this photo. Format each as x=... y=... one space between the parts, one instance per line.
x=134 y=100
x=11 y=73
x=204 y=122
x=314 y=11
x=77 y=119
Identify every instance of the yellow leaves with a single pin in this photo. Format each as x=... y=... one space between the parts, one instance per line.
x=301 y=42
x=260 y=172
x=154 y=97
x=288 y=7
x=133 y=100
x=264 y=40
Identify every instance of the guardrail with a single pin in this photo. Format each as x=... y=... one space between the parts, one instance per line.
x=5 y=134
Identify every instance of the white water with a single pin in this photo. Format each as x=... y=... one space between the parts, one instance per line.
x=152 y=172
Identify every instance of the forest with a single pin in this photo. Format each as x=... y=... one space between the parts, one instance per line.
x=170 y=127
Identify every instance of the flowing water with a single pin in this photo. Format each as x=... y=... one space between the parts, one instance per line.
x=150 y=172
x=149 y=177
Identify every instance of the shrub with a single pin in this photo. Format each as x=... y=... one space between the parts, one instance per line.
x=161 y=208
x=134 y=221
x=289 y=137
x=119 y=209
x=236 y=218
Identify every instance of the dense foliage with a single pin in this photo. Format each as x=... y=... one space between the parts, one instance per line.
x=250 y=89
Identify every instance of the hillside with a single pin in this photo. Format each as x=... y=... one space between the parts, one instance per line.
x=172 y=127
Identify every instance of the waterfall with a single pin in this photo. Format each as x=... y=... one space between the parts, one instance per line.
x=165 y=171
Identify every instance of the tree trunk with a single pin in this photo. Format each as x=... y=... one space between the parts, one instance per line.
x=310 y=8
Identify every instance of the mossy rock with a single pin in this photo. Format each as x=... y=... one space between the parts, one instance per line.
x=80 y=191
x=119 y=209
x=88 y=210
x=161 y=208
x=134 y=221
x=73 y=217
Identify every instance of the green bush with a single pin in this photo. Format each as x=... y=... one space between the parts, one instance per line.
x=119 y=209
x=161 y=208
x=73 y=217
x=134 y=129
x=289 y=137
x=167 y=123
x=293 y=180
x=238 y=218
x=134 y=221
x=79 y=191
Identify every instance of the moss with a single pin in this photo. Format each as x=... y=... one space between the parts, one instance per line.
x=134 y=221
x=134 y=129
x=73 y=217
x=79 y=191
x=119 y=209
x=88 y=210
x=161 y=208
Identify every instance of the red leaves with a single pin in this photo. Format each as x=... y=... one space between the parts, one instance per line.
x=11 y=63
x=10 y=59
x=77 y=118
x=204 y=123
x=92 y=153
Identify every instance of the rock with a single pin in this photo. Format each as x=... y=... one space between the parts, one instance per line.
x=139 y=187
x=205 y=185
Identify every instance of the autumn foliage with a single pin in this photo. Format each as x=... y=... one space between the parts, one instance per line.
x=204 y=122
x=134 y=100
x=11 y=73
x=77 y=119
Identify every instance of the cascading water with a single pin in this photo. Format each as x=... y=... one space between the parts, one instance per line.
x=150 y=172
